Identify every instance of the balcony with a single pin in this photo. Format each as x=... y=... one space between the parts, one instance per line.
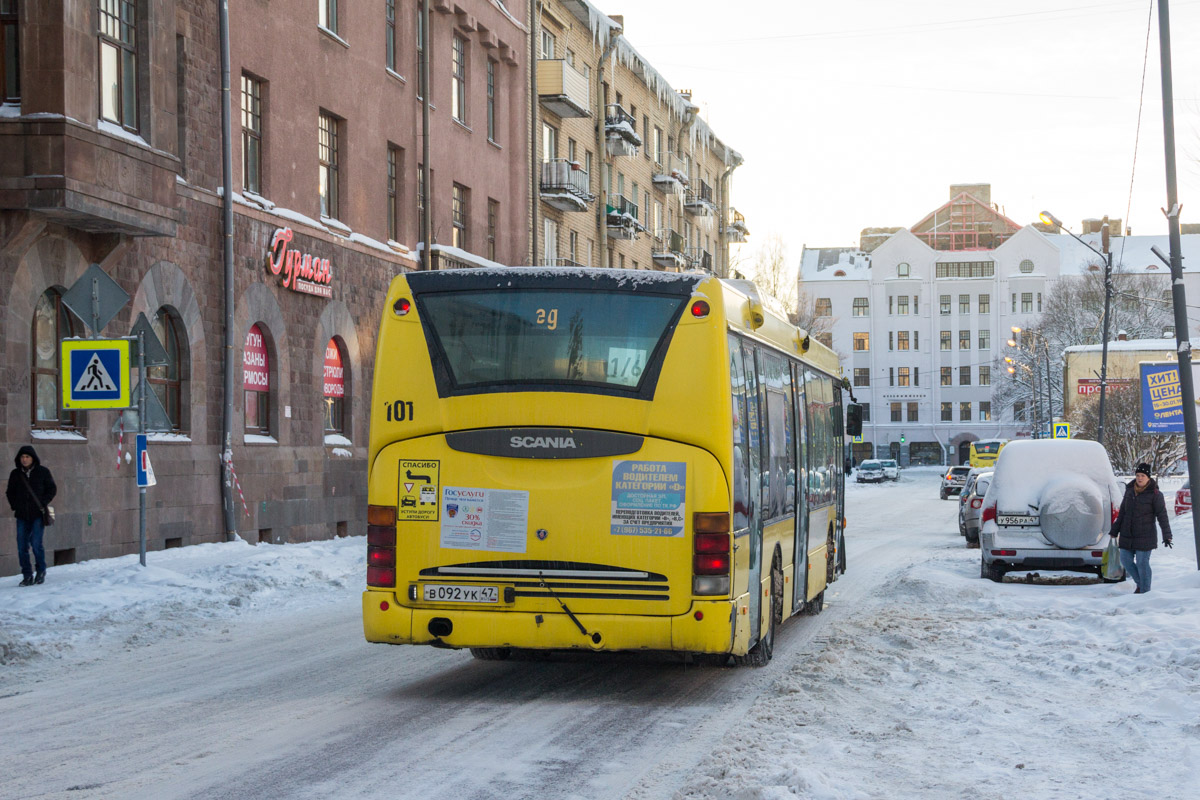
x=619 y=134
x=561 y=89
x=735 y=230
x=622 y=218
x=672 y=176
x=563 y=262
x=700 y=203
x=565 y=185
x=670 y=249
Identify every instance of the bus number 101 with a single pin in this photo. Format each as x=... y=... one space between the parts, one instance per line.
x=400 y=410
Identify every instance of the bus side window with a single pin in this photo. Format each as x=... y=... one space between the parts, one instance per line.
x=741 y=489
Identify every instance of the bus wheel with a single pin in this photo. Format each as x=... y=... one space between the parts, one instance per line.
x=491 y=653
x=814 y=606
x=761 y=653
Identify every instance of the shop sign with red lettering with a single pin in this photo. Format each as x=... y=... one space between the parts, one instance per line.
x=256 y=371
x=1086 y=386
x=335 y=385
x=300 y=272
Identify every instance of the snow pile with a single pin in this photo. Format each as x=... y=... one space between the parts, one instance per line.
x=84 y=608
x=1026 y=467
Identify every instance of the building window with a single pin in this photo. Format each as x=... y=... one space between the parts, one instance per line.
x=252 y=130
x=166 y=380
x=118 y=62
x=1027 y=302
x=966 y=269
x=916 y=376
x=458 y=216
x=896 y=412
x=913 y=412
x=964 y=411
x=902 y=270
x=862 y=341
x=945 y=340
x=494 y=220
x=658 y=145
x=328 y=159
x=964 y=376
x=547 y=44
x=890 y=338
x=420 y=27
x=458 y=80
x=860 y=307
x=1039 y=294
x=1027 y=266
x=866 y=411
x=256 y=381
x=902 y=304
x=891 y=304
x=947 y=376
x=52 y=323
x=327 y=15
x=824 y=307
x=10 y=53
x=945 y=305
x=1019 y=411
x=421 y=192
x=985 y=339
x=389 y=34
x=985 y=410
x=1014 y=303
x=862 y=377
x=902 y=376
x=947 y=412
x=891 y=376
x=491 y=100
x=395 y=161
x=916 y=304
x=333 y=388
x=985 y=375
x=964 y=304
x=985 y=304
x=916 y=340
x=964 y=340
x=550 y=143
x=825 y=338
x=902 y=340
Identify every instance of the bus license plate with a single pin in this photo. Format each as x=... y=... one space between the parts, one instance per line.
x=447 y=593
x=1016 y=520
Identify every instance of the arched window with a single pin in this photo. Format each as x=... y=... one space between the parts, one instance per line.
x=334 y=388
x=166 y=381
x=256 y=381
x=52 y=322
x=902 y=270
x=1026 y=266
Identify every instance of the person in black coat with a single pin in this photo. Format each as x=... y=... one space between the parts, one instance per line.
x=30 y=489
x=1143 y=503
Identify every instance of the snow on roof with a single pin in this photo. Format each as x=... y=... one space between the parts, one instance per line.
x=825 y=263
x=1128 y=345
x=1130 y=253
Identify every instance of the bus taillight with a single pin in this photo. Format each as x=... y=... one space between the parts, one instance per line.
x=712 y=557
x=381 y=545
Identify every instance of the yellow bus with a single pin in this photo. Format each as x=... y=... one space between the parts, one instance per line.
x=598 y=460
x=985 y=452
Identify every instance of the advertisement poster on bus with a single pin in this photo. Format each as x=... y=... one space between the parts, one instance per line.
x=484 y=519
x=1162 y=396
x=648 y=498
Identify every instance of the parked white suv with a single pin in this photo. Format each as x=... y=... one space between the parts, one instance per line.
x=891 y=470
x=1050 y=506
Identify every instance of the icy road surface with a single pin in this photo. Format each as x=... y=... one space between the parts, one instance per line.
x=232 y=671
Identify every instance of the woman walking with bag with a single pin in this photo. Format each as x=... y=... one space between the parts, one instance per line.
x=30 y=490
x=1143 y=503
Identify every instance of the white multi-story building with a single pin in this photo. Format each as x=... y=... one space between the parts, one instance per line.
x=922 y=320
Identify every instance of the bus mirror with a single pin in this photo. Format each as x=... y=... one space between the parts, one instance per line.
x=853 y=419
x=754 y=317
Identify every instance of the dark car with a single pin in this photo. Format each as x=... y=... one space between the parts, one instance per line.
x=953 y=480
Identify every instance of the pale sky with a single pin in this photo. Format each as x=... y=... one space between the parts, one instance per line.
x=862 y=113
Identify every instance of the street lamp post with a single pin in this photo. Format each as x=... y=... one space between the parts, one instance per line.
x=1050 y=219
x=1048 y=383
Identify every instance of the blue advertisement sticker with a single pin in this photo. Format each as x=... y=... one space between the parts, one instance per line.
x=648 y=498
x=1162 y=398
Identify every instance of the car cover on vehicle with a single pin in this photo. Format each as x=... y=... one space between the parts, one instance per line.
x=1073 y=512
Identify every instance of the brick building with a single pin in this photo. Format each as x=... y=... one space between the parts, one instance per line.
x=110 y=153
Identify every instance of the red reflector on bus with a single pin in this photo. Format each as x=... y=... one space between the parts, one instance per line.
x=699 y=309
x=381 y=576
x=699 y=615
x=379 y=536
x=712 y=543
x=383 y=605
x=710 y=563
x=381 y=557
x=402 y=306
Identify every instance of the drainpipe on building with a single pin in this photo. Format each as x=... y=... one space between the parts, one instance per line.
x=722 y=233
x=229 y=295
x=534 y=129
x=601 y=150
x=426 y=171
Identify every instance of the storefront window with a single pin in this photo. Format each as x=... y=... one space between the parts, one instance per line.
x=256 y=381
x=334 y=389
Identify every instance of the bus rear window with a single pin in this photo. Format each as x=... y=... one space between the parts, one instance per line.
x=987 y=447
x=497 y=340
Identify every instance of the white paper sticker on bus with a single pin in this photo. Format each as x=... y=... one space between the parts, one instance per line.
x=492 y=520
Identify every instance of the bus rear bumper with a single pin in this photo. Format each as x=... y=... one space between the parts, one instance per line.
x=398 y=624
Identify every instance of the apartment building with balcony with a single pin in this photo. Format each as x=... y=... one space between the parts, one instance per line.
x=110 y=154
x=629 y=175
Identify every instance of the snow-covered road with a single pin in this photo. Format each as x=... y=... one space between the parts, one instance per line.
x=240 y=672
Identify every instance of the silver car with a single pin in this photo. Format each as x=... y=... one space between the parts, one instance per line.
x=1050 y=505
x=891 y=470
x=970 y=507
x=870 y=470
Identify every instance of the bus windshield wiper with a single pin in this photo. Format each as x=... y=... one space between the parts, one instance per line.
x=574 y=618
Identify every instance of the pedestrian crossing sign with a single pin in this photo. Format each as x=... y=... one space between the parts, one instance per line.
x=1062 y=430
x=95 y=373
